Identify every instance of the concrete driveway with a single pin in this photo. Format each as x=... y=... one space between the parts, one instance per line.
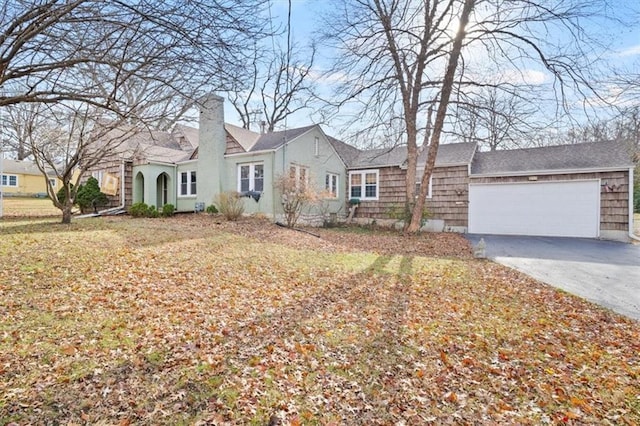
x=604 y=272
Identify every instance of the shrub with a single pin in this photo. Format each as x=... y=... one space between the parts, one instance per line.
x=138 y=210
x=403 y=212
x=231 y=205
x=212 y=209
x=296 y=194
x=62 y=193
x=168 y=210
x=89 y=196
x=153 y=212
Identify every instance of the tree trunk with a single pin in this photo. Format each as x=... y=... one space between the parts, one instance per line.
x=66 y=214
x=447 y=86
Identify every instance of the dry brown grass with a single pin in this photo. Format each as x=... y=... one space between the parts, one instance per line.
x=195 y=320
x=28 y=207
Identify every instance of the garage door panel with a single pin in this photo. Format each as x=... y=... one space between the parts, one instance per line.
x=566 y=208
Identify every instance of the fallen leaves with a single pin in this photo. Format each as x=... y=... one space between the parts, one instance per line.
x=124 y=321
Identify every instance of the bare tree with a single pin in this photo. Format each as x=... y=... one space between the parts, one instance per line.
x=280 y=85
x=403 y=60
x=16 y=122
x=70 y=139
x=136 y=63
x=495 y=117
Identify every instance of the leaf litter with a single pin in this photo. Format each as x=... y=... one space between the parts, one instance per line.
x=197 y=320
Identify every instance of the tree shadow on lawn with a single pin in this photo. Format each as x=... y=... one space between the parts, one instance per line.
x=348 y=336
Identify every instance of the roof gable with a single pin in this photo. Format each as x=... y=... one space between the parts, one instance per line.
x=244 y=137
x=274 y=140
x=583 y=156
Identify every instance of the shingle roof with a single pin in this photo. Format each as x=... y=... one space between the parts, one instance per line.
x=20 y=167
x=346 y=152
x=275 y=140
x=600 y=155
x=246 y=138
x=191 y=134
x=448 y=154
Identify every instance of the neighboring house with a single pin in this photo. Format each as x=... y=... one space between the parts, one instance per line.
x=578 y=190
x=24 y=179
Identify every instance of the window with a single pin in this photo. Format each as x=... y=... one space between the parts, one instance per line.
x=98 y=176
x=429 y=191
x=331 y=184
x=251 y=177
x=316 y=149
x=53 y=183
x=300 y=174
x=187 y=184
x=9 y=180
x=363 y=184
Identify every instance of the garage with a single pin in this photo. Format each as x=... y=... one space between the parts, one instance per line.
x=551 y=208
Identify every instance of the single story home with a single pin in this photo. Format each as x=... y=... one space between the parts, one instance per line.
x=24 y=179
x=581 y=190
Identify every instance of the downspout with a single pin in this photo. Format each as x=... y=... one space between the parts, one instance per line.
x=123 y=197
x=631 y=234
x=175 y=185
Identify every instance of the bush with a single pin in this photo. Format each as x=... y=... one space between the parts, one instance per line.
x=138 y=210
x=403 y=212
x=89 y=196
x=168 y=210
x=153 y=212
x=212 y=209
x=62 y=193
x=231 y=205
x=636 y=199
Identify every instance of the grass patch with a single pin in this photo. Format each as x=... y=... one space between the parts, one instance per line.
x=28 y=207
x=185 y=320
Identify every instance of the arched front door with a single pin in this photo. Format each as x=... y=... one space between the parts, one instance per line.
x=138 y=193
x=162 y=190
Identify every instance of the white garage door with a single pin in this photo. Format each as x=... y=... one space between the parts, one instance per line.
x=559 y=208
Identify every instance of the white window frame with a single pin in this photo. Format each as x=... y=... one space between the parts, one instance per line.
x=300 y=173
x=430 y=191
x=251 y=177
x=191 y=182
x=363 y=176
x=333 y=190
x=316 y=147
x=6 y=180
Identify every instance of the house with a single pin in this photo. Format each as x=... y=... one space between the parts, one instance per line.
x=581 y=190
x=189 y=167
x=24 y=179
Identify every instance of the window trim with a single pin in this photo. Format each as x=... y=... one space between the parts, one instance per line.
x=363 y=174
x=252 y=175
x=190 y=183
x=7 y=177
x=327 y=185
x=53 y=182
x=295 y=172
x=429 y=191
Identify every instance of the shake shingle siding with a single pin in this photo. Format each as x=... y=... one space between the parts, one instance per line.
x=450 y=195
x=449 y=201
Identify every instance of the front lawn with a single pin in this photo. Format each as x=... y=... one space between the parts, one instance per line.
x=28 y=207
x=194 y=320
